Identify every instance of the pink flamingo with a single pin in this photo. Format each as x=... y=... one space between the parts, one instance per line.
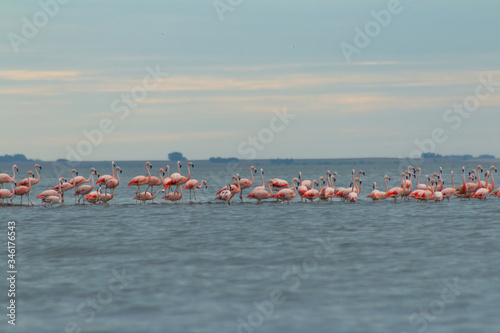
x=79 y=180
x=155 y=181
x=173 y=196
x=178 y=180
x=104 y=198
x=263 y=186
x=192 y=185
x=141 y=180
x=328 y=191
x=278 y=184
x=244 y=182
x=353 y=195
x=104 y=178
x=93 y=197
x=260 y=194
x=33 y=180
x=24 y=190
x=483 y=192
x=83 y=190
x=113 y=183
x=420 y=186
x=450 y=191
x=287 y=194
x=397 y=191
x=226 y=195
x=377 y=195
x=302 y=187
x=5 y=178
x=52 y=193
x=427 y=194
x=146 y=196
x=462 y=190
x=6 y=194
x=491 y=186
x=313 y=193
x=167 y=179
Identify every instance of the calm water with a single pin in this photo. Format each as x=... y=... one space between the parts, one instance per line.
x=367 y=267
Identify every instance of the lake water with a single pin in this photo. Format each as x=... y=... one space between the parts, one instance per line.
x=210 y=267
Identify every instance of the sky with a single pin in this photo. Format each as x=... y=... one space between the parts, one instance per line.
x=129 y=80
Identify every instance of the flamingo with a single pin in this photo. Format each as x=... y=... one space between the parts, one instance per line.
x=173 y=196
x=6 y=194
x=491 y=187
x=52 y=199
x=226 y=195
x=5 y=178
x=263 y=186
x=397 y=191
x=302 y=187
x=104 y=178
x=244 y=182
x=278 y=184
x=66 y=186
x=146 y=196
x=328 y=191
x=377 y=195
x=93 y=197
x=352 y=197
x=422 y=187
x=313 y=193
x=427 y=194
x=233 y=186
x=287 y=194
x=483 y=192
x=53 y=193
x=24 y=190
x=167 y=179
x=155 y=181
x=79 y=180
x=192 y=185
x=33 y=180
x=83 y=190
x=409 y=186
x=450 y=191
x=113 y=183
x=177 y=179
x=260 y=194
x=141 y=180
x=104 y=198
x=462 y=190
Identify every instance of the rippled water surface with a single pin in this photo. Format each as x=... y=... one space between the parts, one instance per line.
x=209 y=267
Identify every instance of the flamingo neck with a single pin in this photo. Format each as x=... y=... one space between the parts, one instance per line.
x=251 y=174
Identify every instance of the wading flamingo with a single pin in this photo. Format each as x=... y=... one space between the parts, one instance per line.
x=450 y=191
x=33 y=180
x=313 y=193
x=113 y=183
x=6 y=194
x=177 y=179
x=104 y=178
x=287 y=194
x=377 y=195
x=79 y=180
x=155 y=181
x=260 y=194
x=52 y=193
x=146 y=196
x=5 y=178
x=244 y=182
x=83 y=190
x=396 y=192
x=24 y=190
x=173 y=196
x=483 y=192
x=192 y=185
x=141 y=180
x=226 y=195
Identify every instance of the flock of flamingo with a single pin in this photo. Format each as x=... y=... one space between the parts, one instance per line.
x=323 y=189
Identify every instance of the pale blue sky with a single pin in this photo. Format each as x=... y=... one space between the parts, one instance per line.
x=226 y=78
